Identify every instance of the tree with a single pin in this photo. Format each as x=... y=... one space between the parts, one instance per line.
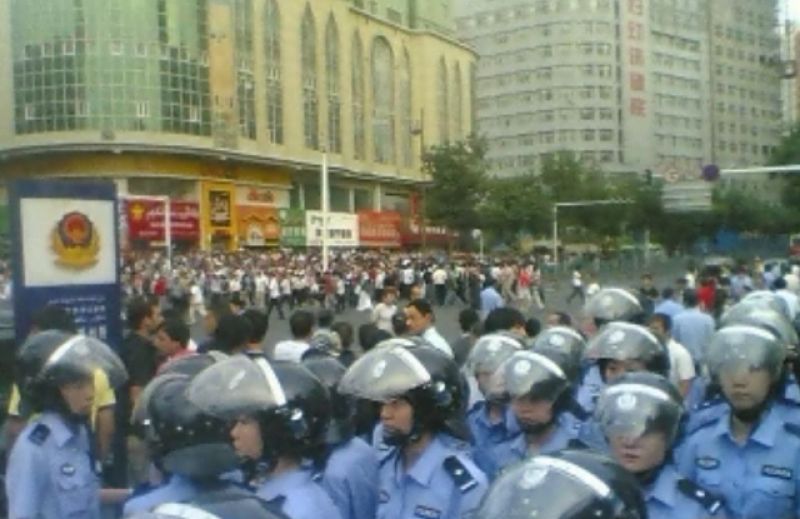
x=788 y=152
x=458 y=173
x=515 y=205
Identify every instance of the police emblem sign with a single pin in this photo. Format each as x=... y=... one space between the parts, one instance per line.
x=65 y=251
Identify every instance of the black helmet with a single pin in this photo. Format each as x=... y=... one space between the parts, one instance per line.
x=48 y=360
x=330 y=371
x=629 y=342
x=184 y=439
x=423 y=375
x=567 y=485
x=614 y=304
x=566 y=341
x=639 y=403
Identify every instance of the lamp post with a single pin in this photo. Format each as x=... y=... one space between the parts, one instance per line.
x=579 y=203
x=419 y=130
x=324 y=200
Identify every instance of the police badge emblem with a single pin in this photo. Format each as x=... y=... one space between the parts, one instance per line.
x=75 y=241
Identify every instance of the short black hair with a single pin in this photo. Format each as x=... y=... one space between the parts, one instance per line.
x=233 y=333
x=668 y=293
x=503 y=319
x=139 y=309
x=532 y=327
x=779 y=284
x=564 y=319
x=53 y=317
x=422 y=306
x=177 y=330
x=301 y=323
x=467 y=319
x=666 y=320
x=365 y=333
x=324 y=318
x=345 y=331
x=259 y=324
x=399 y=325
x=690 y=298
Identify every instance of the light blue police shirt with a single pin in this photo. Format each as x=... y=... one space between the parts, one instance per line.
x=50 y=473
x=300 y=497
x=756 y=479
x=443 y=483
x=351 y=479
x=487 y=436
x=672 y=496
x=176 y=489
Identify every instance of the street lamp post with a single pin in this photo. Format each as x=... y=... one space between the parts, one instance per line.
x=579 y=203
x=324 y=196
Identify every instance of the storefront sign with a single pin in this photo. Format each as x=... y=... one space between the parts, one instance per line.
x=260 y=195
x=258 y=225
x=292 y=227
x=218 y=214
x=145 y=219
x=342 y=229
x=379 y=229
x=412 y=234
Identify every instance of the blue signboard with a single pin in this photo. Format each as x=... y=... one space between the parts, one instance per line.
x=65 y=251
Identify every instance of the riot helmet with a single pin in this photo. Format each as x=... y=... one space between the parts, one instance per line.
x=764 y=316
x=566 y=341
x=49 y=360
x=614 y=304
x=567 y=485
x=486 y=356
x=425 y=377
x=329 y=371
x=630 y=344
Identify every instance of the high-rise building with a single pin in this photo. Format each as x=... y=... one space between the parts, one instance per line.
x=167 y=96
x=628 y=85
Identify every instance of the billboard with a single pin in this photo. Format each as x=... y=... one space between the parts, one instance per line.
x=258 y=225
x=342 y=229
x=379 y=229
x=292 y=227
x=145 y=219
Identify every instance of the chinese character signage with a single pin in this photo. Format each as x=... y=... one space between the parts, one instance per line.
x=218 y=212
x=65 y=251
x=258 y=225
x=379 y=228
x=293 y=227
x=145 y=219
x=637 y=102
x=342 y=229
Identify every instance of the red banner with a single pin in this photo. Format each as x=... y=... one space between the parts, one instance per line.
x=379 y=229
x=411 y=234
x=146 y=219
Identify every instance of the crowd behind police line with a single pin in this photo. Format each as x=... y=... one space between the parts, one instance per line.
x=561 y=424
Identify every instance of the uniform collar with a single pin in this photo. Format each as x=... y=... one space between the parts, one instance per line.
x=61 y=431
x=765 y=432
x=665 y=487
x=431 y=459
x=282 y=484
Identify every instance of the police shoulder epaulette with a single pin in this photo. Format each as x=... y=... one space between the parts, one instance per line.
x=710 y=502
x=39 y=434
x=792 y=428
x=460 y=474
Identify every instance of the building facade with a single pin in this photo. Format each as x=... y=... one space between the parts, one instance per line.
x=628 y=85
x=167 y=96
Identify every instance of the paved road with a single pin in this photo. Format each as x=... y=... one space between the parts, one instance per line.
x=557 y=288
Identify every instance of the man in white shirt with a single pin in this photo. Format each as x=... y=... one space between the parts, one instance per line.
x=439 y=277
x=408 y=277
x=419 y=320
x=261 y=282
x=682 y=370
x=301 y=323
x=275 y=297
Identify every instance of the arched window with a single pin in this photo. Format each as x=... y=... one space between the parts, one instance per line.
x=406 y=122
x=332 y=75
x=245 y=79
x=357 y=78
x=442 y=99
x=458 y=104
x=272 y=56
x=308 y=43
x=383 y=101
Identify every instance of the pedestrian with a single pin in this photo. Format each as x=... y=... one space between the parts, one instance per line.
x=577 y=286
x=681 y=365
x=384 y=311
x=469 y=323
x=275 y=297
x=490 y=298
x=420 y=321
x=301 y=324
x=439 y=279
x=693 y=327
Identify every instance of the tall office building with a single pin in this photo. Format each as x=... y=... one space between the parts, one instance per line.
x=628 y=85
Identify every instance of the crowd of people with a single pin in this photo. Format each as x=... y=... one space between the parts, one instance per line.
x=674 y=403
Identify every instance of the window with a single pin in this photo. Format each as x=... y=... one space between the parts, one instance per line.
x=142 y=109
x=308 y=43
x=442 y=99
x=332 y=75
x=272 y=56
x=383 y=95
x=245 y=79
x=357 y=87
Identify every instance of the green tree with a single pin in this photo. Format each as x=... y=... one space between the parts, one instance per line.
x=788 y=152
x=458 y=188
x=515 y=205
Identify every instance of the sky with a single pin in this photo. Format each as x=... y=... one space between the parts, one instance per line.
x=794 y=10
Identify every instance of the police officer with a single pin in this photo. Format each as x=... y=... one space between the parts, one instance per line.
x=750 y=453
x=640 y=415
x=540 y=395
x=351 y=469
x=421 y=396
x=608 y=305
x=52 y=470
x=281 y=412
x=189 y=446
x=224 y=509
x=491 y=420
x=566 y=485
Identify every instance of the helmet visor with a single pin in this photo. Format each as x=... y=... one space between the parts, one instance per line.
x=632 y=410
x=745 y=348
x=384 y=374
x=81 y=354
